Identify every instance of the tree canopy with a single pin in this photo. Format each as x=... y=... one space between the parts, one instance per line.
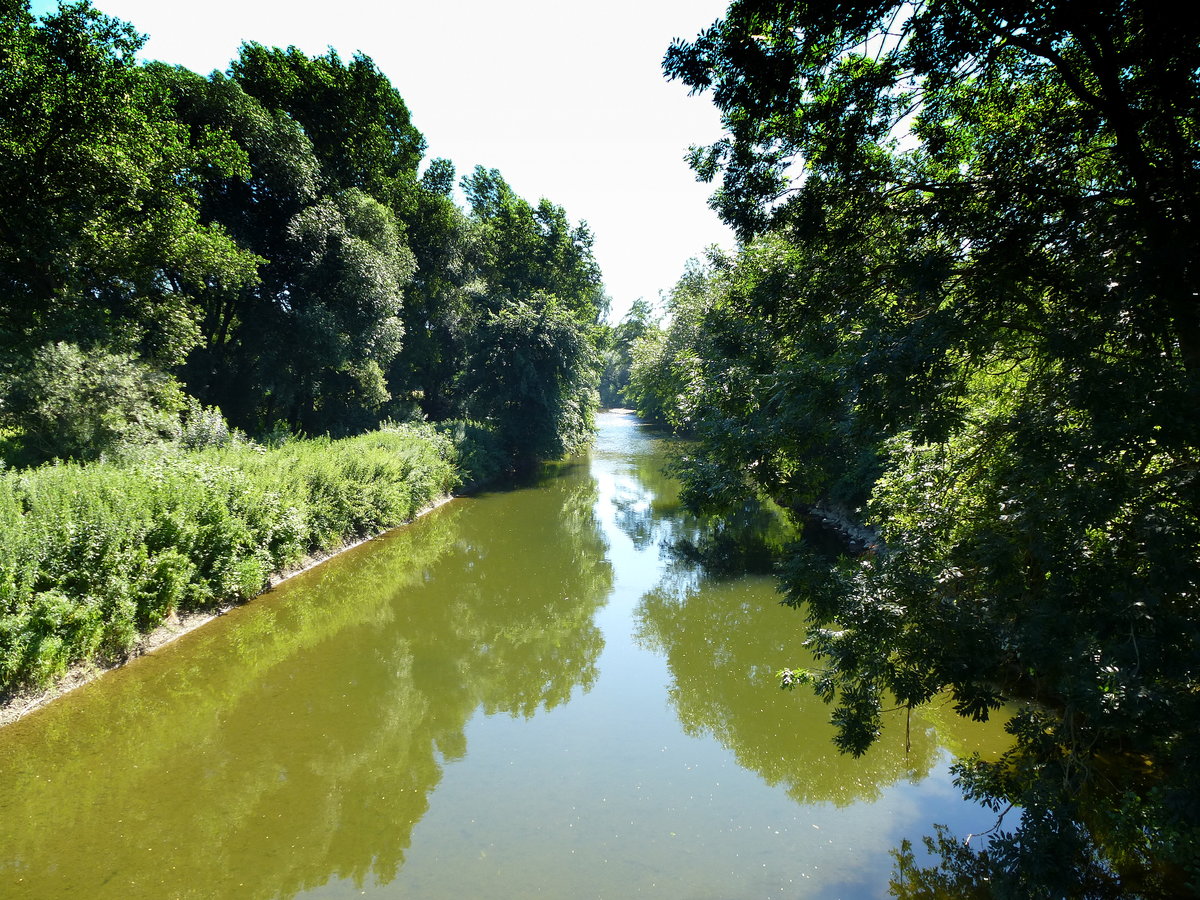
x=101 y=240
x=266 y=239
x=963 y=314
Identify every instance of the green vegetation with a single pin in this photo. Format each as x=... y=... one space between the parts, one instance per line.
x=188 y=260
x=963 y=315
x=81 y=405
x=617 y=355
x=92 y=555
x=266 y=241
x=962 y=322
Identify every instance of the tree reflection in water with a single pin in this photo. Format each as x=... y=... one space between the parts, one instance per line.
x=294 y=745
x=725 y=638
x=299 y=739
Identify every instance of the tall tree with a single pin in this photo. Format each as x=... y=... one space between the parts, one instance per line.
x=532 y=366
x=311 y=342
x=529 y=248
x=101 y=241
x=618 y=351
x=982 y=245
x=440 y=303
x=255 y=205
x=358 y=123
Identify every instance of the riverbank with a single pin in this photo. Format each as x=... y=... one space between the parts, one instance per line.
x=16 y=706
x=102 y=562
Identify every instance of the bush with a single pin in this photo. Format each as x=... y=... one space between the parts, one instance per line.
x=92 y=555
x=204 y=426
x=479 y=453
x=70 y=403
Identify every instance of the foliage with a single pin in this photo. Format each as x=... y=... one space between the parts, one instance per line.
x=204 y=426
x=310 y=342
x=660 y=359
x=440 y=303
x=533 y=376
x=481 y=458
x=76 y=404
x=357 y=122
x=526 y=249
x=264 y=233
x=92 y=555
x=988 y=330
x=617 y=357
x=532 y=362
x=101 y=241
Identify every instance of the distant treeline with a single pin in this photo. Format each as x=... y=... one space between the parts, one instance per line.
x=270 y=242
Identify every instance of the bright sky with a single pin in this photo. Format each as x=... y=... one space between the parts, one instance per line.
x=566 y=98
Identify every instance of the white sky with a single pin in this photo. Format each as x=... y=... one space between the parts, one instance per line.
x=566 y=98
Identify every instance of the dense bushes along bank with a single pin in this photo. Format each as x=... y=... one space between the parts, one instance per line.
x=94 y=555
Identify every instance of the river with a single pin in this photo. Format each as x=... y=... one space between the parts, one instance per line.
x=522 y=694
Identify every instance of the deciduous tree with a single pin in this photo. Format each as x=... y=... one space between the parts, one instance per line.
x=970 y=254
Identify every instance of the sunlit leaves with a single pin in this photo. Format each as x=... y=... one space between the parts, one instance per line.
x=357 y=122
x=999 y=309
x=101 y=240
x=75 y=404
x=526 y=248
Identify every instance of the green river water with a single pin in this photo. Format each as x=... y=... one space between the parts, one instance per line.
x=519 y=695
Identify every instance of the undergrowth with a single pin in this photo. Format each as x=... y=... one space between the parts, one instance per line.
x=94 y=555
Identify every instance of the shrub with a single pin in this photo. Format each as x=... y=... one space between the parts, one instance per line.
x=479 y=453
x=93 y=554
x=204 y=426
x=70 y=403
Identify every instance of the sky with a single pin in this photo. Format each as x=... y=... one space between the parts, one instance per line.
x=566 y=98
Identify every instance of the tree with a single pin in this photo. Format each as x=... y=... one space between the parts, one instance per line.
x=527 y=248
x=617 y=357
x=74 y=404
x=997 y=310
x=532 y=363
x=255 y=206
x=440 y=303
x=533 y=376
x=343 y=318
x=311 y=342
x=100 y=241
x=660 y=375
x=358 y=123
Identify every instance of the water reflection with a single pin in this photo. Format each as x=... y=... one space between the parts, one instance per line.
x=724 y=640
x=648 y=510
x=299 y=739
x=438 y=713
x=646 y=505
